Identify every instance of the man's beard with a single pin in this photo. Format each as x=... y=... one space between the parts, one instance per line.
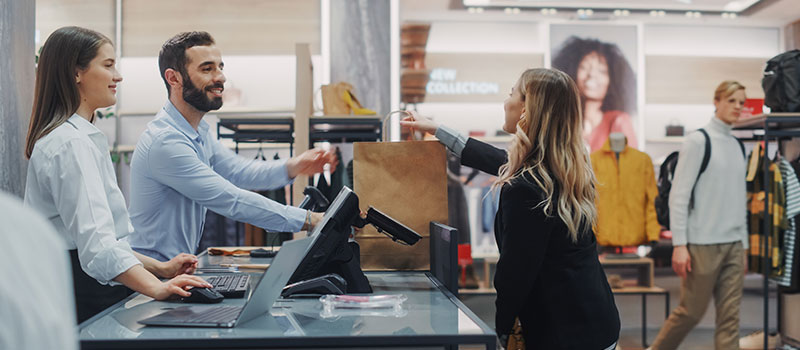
x=198 y=99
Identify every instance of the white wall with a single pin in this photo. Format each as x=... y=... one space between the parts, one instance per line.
x=266 y=83
x=658 y=39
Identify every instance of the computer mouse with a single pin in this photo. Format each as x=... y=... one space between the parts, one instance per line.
x=204 y=296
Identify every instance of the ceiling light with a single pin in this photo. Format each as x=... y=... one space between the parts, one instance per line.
x=507 y=10
x=661 y=13
x=581 y=12
x=689 y=14
x=626 y=12
x=725 y=15
x=733 y=15
x=617 y=13
x=589 y=12
x=471 y=10
x=553 y=11
x=516 y=10
x=479 y=10
x=653 y=13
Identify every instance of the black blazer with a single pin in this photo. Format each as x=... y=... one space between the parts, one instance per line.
x=556 y=287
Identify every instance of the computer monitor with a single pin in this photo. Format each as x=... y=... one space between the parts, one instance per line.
x=330 y=251
x=444 y=255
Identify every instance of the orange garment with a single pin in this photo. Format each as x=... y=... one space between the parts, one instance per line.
x=626 y=189
x=613 y=121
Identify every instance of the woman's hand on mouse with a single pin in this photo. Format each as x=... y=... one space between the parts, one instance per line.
x=181 y=264
x=179 y=286
x=418 y=122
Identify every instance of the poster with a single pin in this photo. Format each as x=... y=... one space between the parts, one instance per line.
x=604 y=62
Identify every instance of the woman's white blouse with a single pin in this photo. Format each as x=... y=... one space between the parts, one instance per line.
x=71 y=181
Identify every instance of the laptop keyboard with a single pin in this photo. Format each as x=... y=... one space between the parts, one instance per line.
x=230 y=285
x=217 y=314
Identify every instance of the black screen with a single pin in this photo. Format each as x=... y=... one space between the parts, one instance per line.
x=330 y=236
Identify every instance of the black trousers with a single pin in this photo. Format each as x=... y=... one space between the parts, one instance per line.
x=92 y=297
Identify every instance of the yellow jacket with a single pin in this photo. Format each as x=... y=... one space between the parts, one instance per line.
x=626 y=213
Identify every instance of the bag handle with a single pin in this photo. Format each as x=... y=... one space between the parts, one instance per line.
x=385 y=124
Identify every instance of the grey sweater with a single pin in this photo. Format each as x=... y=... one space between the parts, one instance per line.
x=720 y=197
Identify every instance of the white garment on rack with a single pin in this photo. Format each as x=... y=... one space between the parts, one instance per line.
x=792 y=209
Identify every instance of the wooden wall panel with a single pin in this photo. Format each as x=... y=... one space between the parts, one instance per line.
x=792 y=35
x=240 y=27
x=93 y=14
x=692 y=80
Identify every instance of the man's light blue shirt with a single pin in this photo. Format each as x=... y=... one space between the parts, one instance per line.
x=177 y=173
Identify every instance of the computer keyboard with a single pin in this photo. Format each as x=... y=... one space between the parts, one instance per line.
x=230 y=285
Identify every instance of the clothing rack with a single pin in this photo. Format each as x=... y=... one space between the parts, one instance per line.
x=776 y=127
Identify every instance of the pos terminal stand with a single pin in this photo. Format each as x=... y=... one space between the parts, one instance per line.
x=333 y=265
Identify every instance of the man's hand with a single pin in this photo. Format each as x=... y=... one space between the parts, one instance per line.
x=681 y=260
x=313 y=220
x=181 y=264
x=311 y=162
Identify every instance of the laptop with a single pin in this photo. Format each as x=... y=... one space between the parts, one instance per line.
x=229 y=316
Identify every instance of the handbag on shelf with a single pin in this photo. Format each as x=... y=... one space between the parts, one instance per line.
x=674 y=128
x=340 y=99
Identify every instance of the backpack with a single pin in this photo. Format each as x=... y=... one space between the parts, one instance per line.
x=781 y=82
x=666 y=174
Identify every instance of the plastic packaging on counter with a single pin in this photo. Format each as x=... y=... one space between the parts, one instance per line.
x=373 y=305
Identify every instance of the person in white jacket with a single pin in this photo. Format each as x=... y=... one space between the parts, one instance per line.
x=710 y=236
x=71 y=179
x=29 y=307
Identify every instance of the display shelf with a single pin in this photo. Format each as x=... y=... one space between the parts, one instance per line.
x=278 y=128
x=227 y=143
x=666 y=139
x=774 y=126
x=346 y=128
x=643 y=266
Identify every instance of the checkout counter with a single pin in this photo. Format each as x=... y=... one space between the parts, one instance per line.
x=432 y=316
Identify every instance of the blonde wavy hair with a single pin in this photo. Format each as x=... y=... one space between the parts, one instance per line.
x=549 y=146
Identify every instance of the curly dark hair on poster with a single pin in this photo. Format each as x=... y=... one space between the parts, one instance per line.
x=621 y=95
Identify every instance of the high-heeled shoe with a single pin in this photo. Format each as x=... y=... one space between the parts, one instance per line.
x=352 y=102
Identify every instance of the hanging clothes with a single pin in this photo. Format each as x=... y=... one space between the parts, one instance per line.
x=782 y=275
x=490 y=203
x=626 y=189
x=457 y=212
x=756 y=205
x=337 y=176
x=278 y=194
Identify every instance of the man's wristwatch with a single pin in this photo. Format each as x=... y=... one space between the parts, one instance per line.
x=307 y=223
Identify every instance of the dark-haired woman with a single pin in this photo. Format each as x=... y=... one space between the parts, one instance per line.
x=72 y=182
x=607 y=85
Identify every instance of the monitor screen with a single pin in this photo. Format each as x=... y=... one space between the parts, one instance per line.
x=444 y=255
x=330 y=236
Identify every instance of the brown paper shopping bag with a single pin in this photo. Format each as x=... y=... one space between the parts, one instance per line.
x=408 y=182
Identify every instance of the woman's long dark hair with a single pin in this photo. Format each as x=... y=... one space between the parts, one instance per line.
x=621 y=95
x=56 y=96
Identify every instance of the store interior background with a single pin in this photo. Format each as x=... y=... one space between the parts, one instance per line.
x=681 y=59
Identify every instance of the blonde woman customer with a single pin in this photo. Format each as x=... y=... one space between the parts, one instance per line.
x=548 y=275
